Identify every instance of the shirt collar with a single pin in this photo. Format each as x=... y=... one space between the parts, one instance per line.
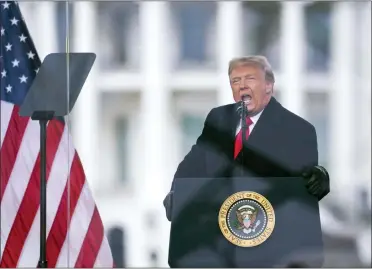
x=256 y=117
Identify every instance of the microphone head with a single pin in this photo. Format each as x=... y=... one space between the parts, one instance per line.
x=242 y=109
x=246 y=100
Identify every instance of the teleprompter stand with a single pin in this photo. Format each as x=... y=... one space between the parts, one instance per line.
x=53 y=94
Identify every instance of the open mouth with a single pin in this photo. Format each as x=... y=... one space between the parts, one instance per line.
x=246 y=98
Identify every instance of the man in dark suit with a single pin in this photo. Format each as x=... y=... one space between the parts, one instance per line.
x=278 y=143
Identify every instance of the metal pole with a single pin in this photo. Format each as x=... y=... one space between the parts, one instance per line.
x=43 y=189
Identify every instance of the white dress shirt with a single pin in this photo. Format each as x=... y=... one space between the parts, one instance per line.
x=254 y=120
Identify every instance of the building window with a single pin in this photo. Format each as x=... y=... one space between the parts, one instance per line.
x=318 y=31
x=64 y=14
x=118 y=34
x=191 y=128
x=121 y=146
x=194 y=30
x=317 y=114
x=116 y=239
x=262 y=30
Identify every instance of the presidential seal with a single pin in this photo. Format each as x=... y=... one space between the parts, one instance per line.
x=246 y=219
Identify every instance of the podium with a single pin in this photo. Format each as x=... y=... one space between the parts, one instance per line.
x=244 y=222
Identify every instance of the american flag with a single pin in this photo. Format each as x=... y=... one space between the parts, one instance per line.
x=75 y=234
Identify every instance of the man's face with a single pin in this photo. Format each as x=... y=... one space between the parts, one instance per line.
x=249 y=81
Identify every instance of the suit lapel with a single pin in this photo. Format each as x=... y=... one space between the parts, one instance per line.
x=264 y=126
x=233 y=114
x=229 y=122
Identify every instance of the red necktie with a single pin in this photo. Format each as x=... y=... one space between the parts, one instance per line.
x=238 y=139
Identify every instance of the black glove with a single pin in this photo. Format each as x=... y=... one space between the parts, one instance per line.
x=317 y=181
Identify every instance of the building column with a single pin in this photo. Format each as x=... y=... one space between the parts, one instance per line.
x=154 y=182
x=293 y=51
x=342 y=103
x=85 y=112
x=28 y=13
x=45 y=28
x=230 y=39
x=365 y=102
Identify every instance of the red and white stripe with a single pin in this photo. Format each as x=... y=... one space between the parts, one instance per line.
x=75 y=233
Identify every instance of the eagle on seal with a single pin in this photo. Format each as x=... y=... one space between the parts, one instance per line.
x=246 y=216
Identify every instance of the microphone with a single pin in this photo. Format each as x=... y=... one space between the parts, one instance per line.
x=242 y=109
x=243 y=113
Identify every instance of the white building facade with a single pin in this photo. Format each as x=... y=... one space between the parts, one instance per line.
x=160 y=68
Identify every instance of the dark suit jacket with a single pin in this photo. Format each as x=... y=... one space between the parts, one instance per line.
x=281 y=144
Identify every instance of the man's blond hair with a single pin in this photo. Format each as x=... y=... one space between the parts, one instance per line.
x=255 y=60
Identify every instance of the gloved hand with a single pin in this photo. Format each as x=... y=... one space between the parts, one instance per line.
x=317 y=181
